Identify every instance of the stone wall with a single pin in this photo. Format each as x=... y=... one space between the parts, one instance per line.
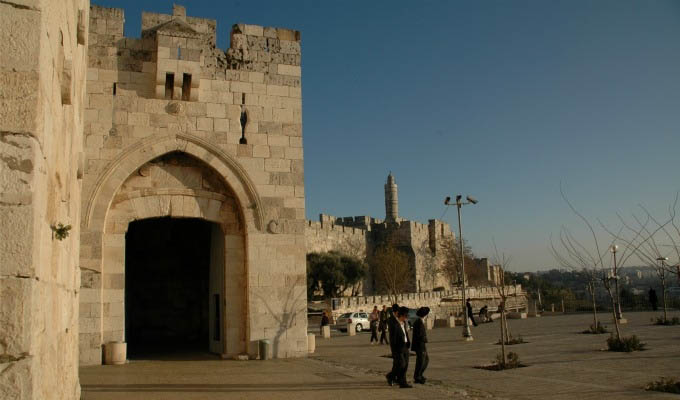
x=43 y=61
x=441 y=303
x=325 y=235
x=238 y=112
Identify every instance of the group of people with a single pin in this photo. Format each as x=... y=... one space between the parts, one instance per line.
x=394 y=330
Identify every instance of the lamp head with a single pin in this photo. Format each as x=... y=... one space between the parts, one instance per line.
x=458 y=198
x=471 y=199
x=614 y=248
x=447 y=200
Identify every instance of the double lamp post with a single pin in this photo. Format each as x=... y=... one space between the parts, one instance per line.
x=467 y=334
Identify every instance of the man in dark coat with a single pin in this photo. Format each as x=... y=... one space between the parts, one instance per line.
x=392 y=324
x=400 y=345
x=382 y=327
x=418 y=340
x=653 y=299
x=470 y=314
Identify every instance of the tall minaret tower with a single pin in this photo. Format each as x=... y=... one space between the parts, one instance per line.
x=391 y=200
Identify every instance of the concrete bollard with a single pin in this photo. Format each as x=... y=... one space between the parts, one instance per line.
x=326 y=331
x=452 y=322
x=429 y=323
x=115 y=353
x=351 y=329
x=311 y=343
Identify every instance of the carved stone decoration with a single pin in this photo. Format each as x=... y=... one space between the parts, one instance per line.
x=175 y=108
x=144 y=170
x=274 y=227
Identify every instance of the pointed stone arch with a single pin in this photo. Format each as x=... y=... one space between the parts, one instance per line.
x=146 y=150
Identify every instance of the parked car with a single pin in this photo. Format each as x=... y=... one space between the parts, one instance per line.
x=360 y=319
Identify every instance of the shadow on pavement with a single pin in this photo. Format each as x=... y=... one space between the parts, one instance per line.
x=236 y=387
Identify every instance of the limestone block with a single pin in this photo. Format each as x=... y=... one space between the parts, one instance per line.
x=261 y=151
x=276 y=90
x=293 y=70
x=204 y=124
x=21 y=38
x=18 y=375
x=241 y=87
x=19 y=111
x=17 y=234
x=352 y=329
x=295 y=92
x=517 y=315
x=293 y=153
x=326 y=331
x=292 y=129
x=16 y=314
x=277 y=165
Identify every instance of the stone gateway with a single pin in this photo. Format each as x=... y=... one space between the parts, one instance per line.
x=151 y=191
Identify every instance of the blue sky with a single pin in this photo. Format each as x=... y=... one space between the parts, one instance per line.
x=502 y=100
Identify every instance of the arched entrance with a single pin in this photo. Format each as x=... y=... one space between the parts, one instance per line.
x=173 y=287
x=195 y=294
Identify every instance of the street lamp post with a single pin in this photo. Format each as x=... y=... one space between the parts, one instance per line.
x=619 y=314
x=467 y=334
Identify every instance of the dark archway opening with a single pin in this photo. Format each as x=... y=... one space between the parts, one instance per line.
x=167 y=264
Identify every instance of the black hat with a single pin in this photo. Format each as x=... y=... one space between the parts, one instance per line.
x=403 y=310
x=395 y=307
x=423 y=311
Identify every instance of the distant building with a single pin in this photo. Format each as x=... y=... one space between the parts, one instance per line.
x=361 y=235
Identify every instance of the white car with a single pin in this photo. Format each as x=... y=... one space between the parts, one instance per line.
x=359 y=319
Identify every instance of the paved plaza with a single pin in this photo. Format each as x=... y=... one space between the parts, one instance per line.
x=562 y=364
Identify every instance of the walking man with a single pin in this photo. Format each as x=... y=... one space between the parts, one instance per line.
x=382 y=325
x=653 y=299
x=392 y=325
x=470 y=314
x=400 y=344
x=418 y=341
x=373 y=320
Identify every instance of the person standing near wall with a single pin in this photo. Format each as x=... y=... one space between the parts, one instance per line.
x=373 y=319
x=470 y=314
x=418 y=340
x=653 y=300
x=325 y=321
x=382 y=325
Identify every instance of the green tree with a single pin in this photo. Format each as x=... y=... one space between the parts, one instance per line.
x=333 y=273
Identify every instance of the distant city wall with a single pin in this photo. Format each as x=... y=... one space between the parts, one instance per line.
x=442 y=303
x=326 y=235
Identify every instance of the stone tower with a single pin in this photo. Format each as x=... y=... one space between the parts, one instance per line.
x=391 y=199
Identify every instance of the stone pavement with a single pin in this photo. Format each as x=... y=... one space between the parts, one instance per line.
x=562 y=364
x=217 y=379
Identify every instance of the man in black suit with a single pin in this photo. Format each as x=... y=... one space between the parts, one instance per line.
x=418 y=345
x=400 y=345
x=392 y=324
